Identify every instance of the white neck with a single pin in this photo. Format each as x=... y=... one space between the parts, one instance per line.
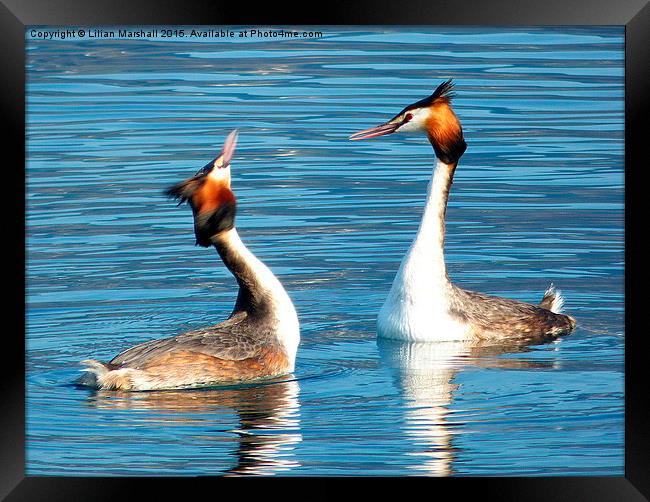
x=424 y=262
x=261 y=294
x=429 y=241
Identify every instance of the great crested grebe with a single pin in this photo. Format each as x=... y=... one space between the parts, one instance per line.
x=423 y=304
x=258 y=340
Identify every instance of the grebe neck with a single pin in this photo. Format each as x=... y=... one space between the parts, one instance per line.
x=261 y=297
x=260 y=292
x=429 y=241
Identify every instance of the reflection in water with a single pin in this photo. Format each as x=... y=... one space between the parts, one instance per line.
x=269 y=419
x=424 y=372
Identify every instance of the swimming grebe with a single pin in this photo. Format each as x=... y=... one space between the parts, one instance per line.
x=423 y=304
x=258 y=340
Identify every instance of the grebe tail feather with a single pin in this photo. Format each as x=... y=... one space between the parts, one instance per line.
x=93 y=373
x=553 y=300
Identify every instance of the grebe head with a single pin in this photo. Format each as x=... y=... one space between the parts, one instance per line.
x=432 y=115
x=209 y=195
x=218 y=169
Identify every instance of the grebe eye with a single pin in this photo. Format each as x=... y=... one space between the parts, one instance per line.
x=408 y=117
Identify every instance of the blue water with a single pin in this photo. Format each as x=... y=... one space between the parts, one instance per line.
x=537 y=198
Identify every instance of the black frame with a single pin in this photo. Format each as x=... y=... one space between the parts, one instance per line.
x=15 y=15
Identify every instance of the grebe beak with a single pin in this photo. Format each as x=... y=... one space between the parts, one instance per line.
x=373 y=132
x=228 y=150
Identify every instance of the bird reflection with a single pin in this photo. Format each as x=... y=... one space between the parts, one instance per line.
x=425 y=372
x=269 y=420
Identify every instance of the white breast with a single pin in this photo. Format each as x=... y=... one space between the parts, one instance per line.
x=417 y=307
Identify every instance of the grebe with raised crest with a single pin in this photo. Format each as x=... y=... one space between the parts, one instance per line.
x=259 y=339
x=423 y=304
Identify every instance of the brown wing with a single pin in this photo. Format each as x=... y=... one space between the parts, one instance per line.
x=228 y=341
x=502 y=315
